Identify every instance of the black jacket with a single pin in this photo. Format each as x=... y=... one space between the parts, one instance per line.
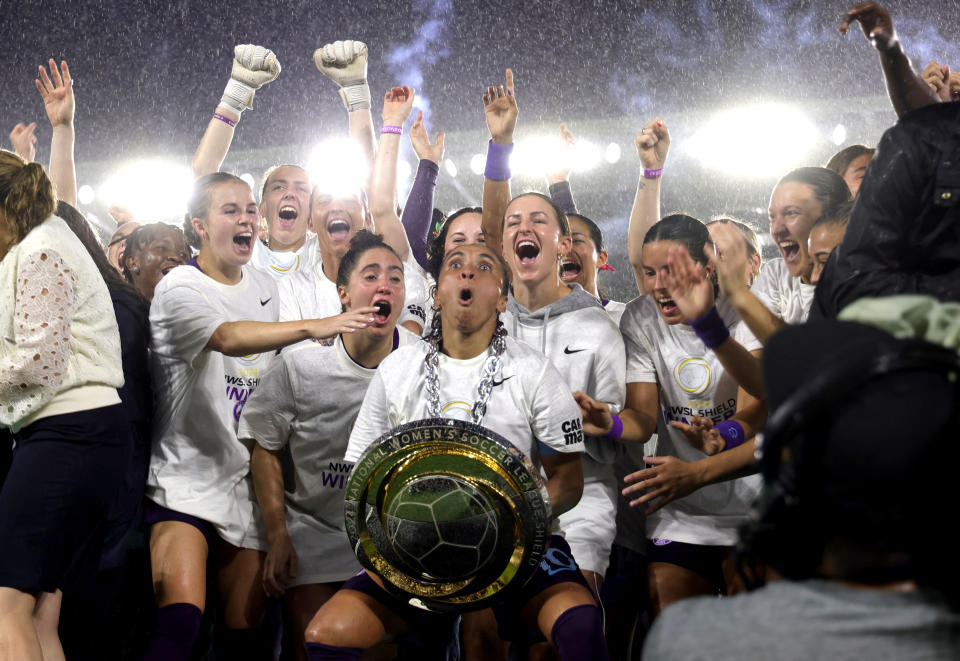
x=904 y=232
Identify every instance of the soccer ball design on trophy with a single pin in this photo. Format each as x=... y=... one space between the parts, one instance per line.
x=446 y=527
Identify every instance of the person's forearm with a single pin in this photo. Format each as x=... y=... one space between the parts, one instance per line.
x=562 y=196
x=383 y=194
x=745 y=368
x=215 y=142
x=63 y=171
x=727 y=465
x=361 y=132
x=241 y=338
x=644 y=214
x=906 y=89
x=418 y=211
x=268 y=485
x=637 y=428
x=496 y=191
x=761 y=322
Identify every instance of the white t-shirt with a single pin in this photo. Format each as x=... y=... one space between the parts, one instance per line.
x=782 y=294
x=281 y=264
x=197 y=465
x=529 y=402
x=310 y=294
x=691 y=381
x=308 y=401
x=615 y=310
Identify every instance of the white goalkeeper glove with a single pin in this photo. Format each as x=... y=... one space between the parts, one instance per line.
x=345 y=63
x=253 y=67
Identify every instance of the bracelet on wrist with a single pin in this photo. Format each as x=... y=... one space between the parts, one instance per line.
x=226 y=120
x=616 y=431
x=390 y=128
x=498 y=162
x=732 y=432
x=652 y=174
x=710 y=329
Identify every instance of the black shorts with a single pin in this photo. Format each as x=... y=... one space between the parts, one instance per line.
x=154 y=513
x=707 y=561
x=430 y=635
x=66 y=469
x=557 y=566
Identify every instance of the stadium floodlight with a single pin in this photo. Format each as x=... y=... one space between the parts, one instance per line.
x=86 y=194
x=338 y=166
x=839 y=135
x=612 y=153
x=477 y=163
x=755 y=141
x=151 y=189
x=450 y=166
x=251 y=182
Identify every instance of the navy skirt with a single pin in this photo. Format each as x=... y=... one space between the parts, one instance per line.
x=66 y=469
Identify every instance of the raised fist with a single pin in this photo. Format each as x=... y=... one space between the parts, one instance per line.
x=253 y=67
x=345 y=63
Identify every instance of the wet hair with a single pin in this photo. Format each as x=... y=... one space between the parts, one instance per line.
x=840 y=216
x=77 y=222
x=829 y=188
x=199 y=203
x=840 y=161
x=27 y=197
x=685 y=230
x=559 y=213
x=749 y=236
x=362 y=242
x=270 y=172
x=435 y=249
x=139 y=239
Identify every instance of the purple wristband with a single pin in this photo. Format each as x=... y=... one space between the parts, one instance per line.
x=653 y=174
x=498 y=162
x=616 y=431
x=390 y=128
x=732 y=433
x=226 y=120
x=710 y=329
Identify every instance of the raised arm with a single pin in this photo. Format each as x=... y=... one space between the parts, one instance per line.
x=906 y=89
x=691 y=288
x=24 y=141
x=558 y=174
x=500 y=109
x=397 y=105
x=57 y=92
x=345 y=63
x=730 y=246
x=636 y=423
x=564 y=480
x=253 y=67
x=418 y=211
x=653 y=143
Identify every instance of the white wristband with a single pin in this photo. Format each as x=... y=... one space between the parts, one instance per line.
x=237 y=96
x=356 y=96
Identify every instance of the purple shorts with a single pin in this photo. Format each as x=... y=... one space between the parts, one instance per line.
x=154 y=513
x=707 y=561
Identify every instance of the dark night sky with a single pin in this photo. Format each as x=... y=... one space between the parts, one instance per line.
x=148 y=74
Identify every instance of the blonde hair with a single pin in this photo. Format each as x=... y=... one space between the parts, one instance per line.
x=27 y=197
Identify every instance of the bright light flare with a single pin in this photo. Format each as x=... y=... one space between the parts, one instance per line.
x=251 y=182
x=478 y=163
x=450 y=166
x=404 y=170
x=338 y=166
x=756 y=141
x=86 y=194
x=537 y=156
x=151 y=189
x=612 y=153
x=839 y=135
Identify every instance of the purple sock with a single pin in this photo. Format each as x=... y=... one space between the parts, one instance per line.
x=578 y=634
x=321 y=652
x=174 y=633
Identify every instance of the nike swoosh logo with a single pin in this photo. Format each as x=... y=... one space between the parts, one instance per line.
x=567 y=349
x=500 y=382
x=266 y=301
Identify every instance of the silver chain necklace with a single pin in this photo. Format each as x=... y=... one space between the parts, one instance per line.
x=491 y=367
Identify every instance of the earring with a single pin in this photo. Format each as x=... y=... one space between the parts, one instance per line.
x=136 y=270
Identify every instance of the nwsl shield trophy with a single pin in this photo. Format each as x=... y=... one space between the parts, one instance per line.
x=450 y=514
